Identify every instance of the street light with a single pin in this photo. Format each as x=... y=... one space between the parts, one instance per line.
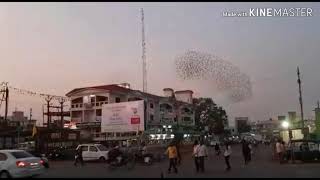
x=285 y=124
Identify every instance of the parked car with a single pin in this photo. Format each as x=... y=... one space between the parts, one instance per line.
x=19 y=163
x=304 y=150
x=91 y=152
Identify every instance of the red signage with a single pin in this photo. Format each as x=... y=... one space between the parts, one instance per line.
x=135 y=120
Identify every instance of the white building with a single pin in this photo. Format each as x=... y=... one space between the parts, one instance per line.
x=174 y=108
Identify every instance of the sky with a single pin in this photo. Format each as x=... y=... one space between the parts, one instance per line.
x=56 y=47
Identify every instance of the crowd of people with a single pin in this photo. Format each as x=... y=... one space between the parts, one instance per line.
x=200 y=154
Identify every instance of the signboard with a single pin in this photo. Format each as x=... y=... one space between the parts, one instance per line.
x=123 y=117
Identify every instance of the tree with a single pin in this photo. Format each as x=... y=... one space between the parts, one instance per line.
x=208 y=114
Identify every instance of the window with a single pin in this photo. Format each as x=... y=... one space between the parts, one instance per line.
x=102 y=148
x=117 y=99
x=151 y=117
x=92 y=99
x=151 y=105
x=93 y=149
x=187 y=119
x=21 y=154
x=99 y=112
x=3 y=157
x=84 y=148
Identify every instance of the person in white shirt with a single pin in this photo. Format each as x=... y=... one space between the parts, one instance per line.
x=279 y=150
x=202 y=153
x=195 y=154
x=227 y=153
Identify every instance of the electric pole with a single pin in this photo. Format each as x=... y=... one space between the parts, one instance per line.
x=62 y=101
x=30 y=114
x=300 y=97
x=7 y=102
x=48 y=99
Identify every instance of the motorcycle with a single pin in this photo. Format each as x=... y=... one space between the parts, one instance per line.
x=121 y=161
x=146 y=159
x=56 y=154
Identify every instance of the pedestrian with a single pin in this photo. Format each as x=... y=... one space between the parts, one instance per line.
x=217 y=148
x=78 y=156
x=172 y=154
x=251 y=151
x=227 y=153
x=195 y=154
x=178 y=152
x=279 y=150
x=283 y=149
x=245 y=151
x=202 y=153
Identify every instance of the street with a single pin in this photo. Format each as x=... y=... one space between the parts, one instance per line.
x=262 y=165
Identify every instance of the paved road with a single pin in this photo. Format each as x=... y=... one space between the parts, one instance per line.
x=261 y=166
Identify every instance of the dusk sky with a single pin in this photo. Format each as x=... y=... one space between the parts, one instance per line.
x=56 y=47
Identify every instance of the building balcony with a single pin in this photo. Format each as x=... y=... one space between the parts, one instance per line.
x=82 y=106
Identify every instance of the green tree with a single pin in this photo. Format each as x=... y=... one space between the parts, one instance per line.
x=209 y=114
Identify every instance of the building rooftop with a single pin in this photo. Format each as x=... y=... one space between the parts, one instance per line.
x=110 y=87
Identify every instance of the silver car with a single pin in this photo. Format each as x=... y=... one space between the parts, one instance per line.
x=19 y=163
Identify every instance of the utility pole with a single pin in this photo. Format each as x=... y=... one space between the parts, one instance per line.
x=48 y=99
x=300 y=97
x=7 y=103
x=42 y=114
x=30 y=114
x=62 y=101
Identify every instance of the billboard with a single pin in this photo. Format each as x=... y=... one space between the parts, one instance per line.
x=123 y=117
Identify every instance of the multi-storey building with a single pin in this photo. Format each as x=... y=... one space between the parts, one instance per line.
x=174 y=108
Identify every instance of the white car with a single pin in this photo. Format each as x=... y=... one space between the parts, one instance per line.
x=91 y=152
x=19 y=163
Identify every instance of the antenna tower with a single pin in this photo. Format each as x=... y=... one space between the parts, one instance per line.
x=144 y=63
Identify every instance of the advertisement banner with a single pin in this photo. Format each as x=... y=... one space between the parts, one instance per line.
x=123 y=117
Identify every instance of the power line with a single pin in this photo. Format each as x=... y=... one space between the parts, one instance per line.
x=34 y=93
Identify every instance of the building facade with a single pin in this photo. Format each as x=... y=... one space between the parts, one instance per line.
x=173 y=108
x=267 y=128
x=242 y=124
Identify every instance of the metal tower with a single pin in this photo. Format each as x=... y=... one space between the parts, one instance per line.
x=144 y=63
x=300 y=97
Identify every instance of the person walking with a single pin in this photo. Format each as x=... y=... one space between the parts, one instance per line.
x=202 y=153
x=195 y=155
x=227 y=153
x=178 y=144
x=279 y=150
x=251 y=151
x=283 y=149
x=245 y=151
x=78 y=157
x=217 y=148
x=172 y=154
